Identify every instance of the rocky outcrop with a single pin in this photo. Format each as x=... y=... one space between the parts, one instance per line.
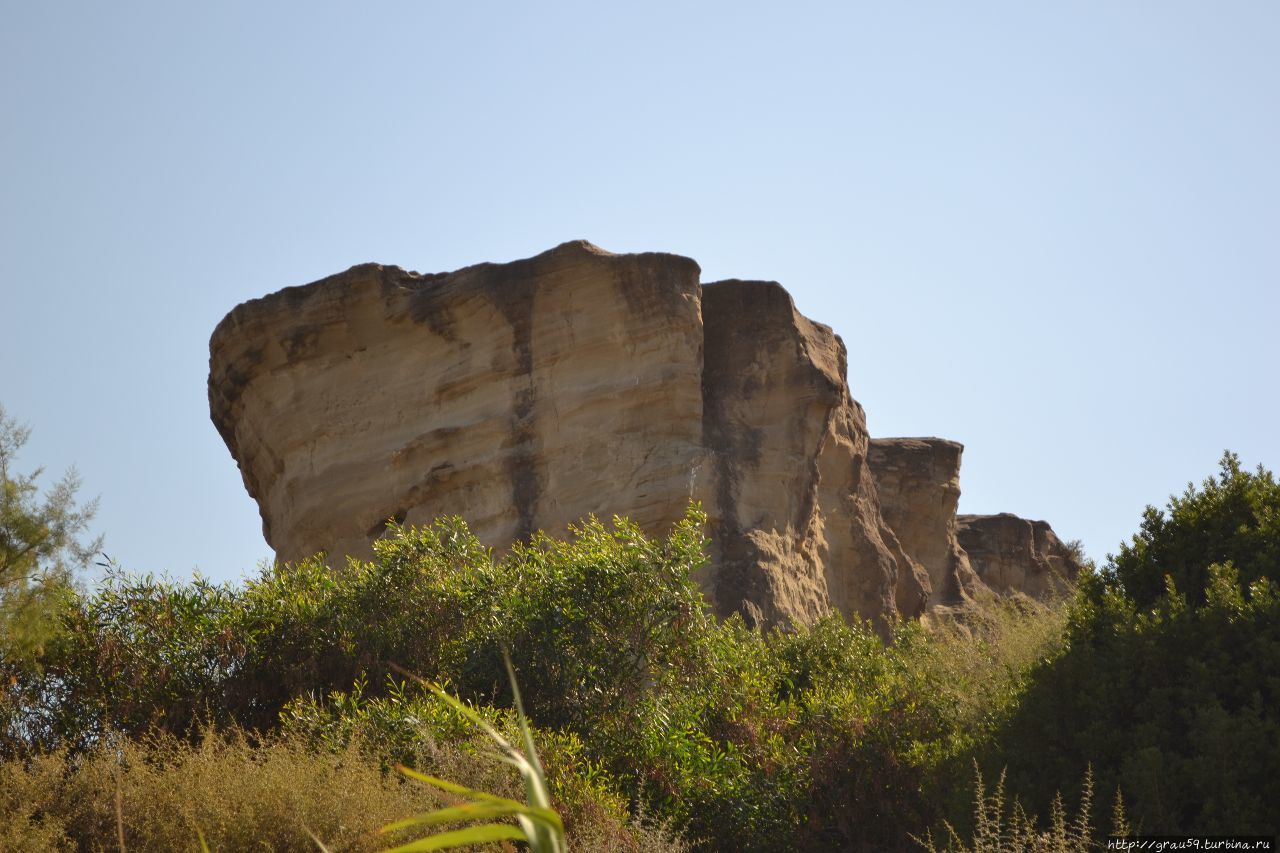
x=918 y=480
x=527 y=395
x=521 y=396
x=1012 y=554
x=792 y=502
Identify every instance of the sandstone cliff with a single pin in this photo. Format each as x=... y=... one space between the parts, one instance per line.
x=919 y=484
x=1012 y=554
x=521 y=396
x=527 y=395
x=793 y=507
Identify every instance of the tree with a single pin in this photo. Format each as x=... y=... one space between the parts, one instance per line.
x=40 y=545
x=1168 y=683
x=1234 y=517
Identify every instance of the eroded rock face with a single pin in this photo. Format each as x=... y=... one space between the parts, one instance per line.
x=1012 y=554
x=521 y=396
x=795 y=521
x=918 y=480
x=527 y=395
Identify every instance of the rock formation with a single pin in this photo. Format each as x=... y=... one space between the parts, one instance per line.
x=1012 y=554
x=527 y=395
x=792 y=506
x=919 y=484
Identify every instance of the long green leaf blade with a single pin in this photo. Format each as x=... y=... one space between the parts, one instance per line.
x=472 y=811
x=458 y=838
x=470 y=713
x=455 y=788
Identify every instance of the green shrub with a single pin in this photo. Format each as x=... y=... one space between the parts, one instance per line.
x=1234 y=518
x=600 y=617
x=1178 y=706
x=812 y=739
x=1169 y=679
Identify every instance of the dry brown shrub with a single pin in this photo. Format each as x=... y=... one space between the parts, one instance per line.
x=164 y=793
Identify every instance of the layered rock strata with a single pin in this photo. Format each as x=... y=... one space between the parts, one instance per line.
x=527 y=395
x=521 y=396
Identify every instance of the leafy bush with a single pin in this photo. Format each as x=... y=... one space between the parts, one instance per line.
x=1233 y=518
x=1174 y=699
x=815 y=738
x=600 y=618
x=1177 y=706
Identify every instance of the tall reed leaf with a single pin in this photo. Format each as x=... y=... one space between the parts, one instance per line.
x=539 y=825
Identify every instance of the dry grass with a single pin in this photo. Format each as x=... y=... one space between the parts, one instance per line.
x=163 y=794
x=979 y=653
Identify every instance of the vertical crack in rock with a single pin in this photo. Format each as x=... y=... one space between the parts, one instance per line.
x=734 y=584
x=513 y=290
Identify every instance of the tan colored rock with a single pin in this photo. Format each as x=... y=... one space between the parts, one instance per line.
x=1012 y=554
x=795 y=522
x=522 y=396
x=918 y=480
x=527 y=395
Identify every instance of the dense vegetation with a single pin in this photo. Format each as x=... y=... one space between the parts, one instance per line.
x=1173 y=696
x=156 y=709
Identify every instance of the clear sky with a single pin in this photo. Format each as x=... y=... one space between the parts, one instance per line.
x=1050 y=231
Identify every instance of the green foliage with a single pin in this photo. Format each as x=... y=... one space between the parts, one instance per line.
x=540 y=825
x=1234 y=517
x=815 y=738
x=603 y=615
x=1177 y=706
x=40 y=548
x=810 y=739
x=138 y=655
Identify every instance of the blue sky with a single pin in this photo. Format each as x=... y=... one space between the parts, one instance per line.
x=1046 y=230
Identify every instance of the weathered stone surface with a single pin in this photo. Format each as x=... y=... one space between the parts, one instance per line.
x=795 y=522
x=1012 y=554
x=521 y=396
x=918 y=480
x=527 y=395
